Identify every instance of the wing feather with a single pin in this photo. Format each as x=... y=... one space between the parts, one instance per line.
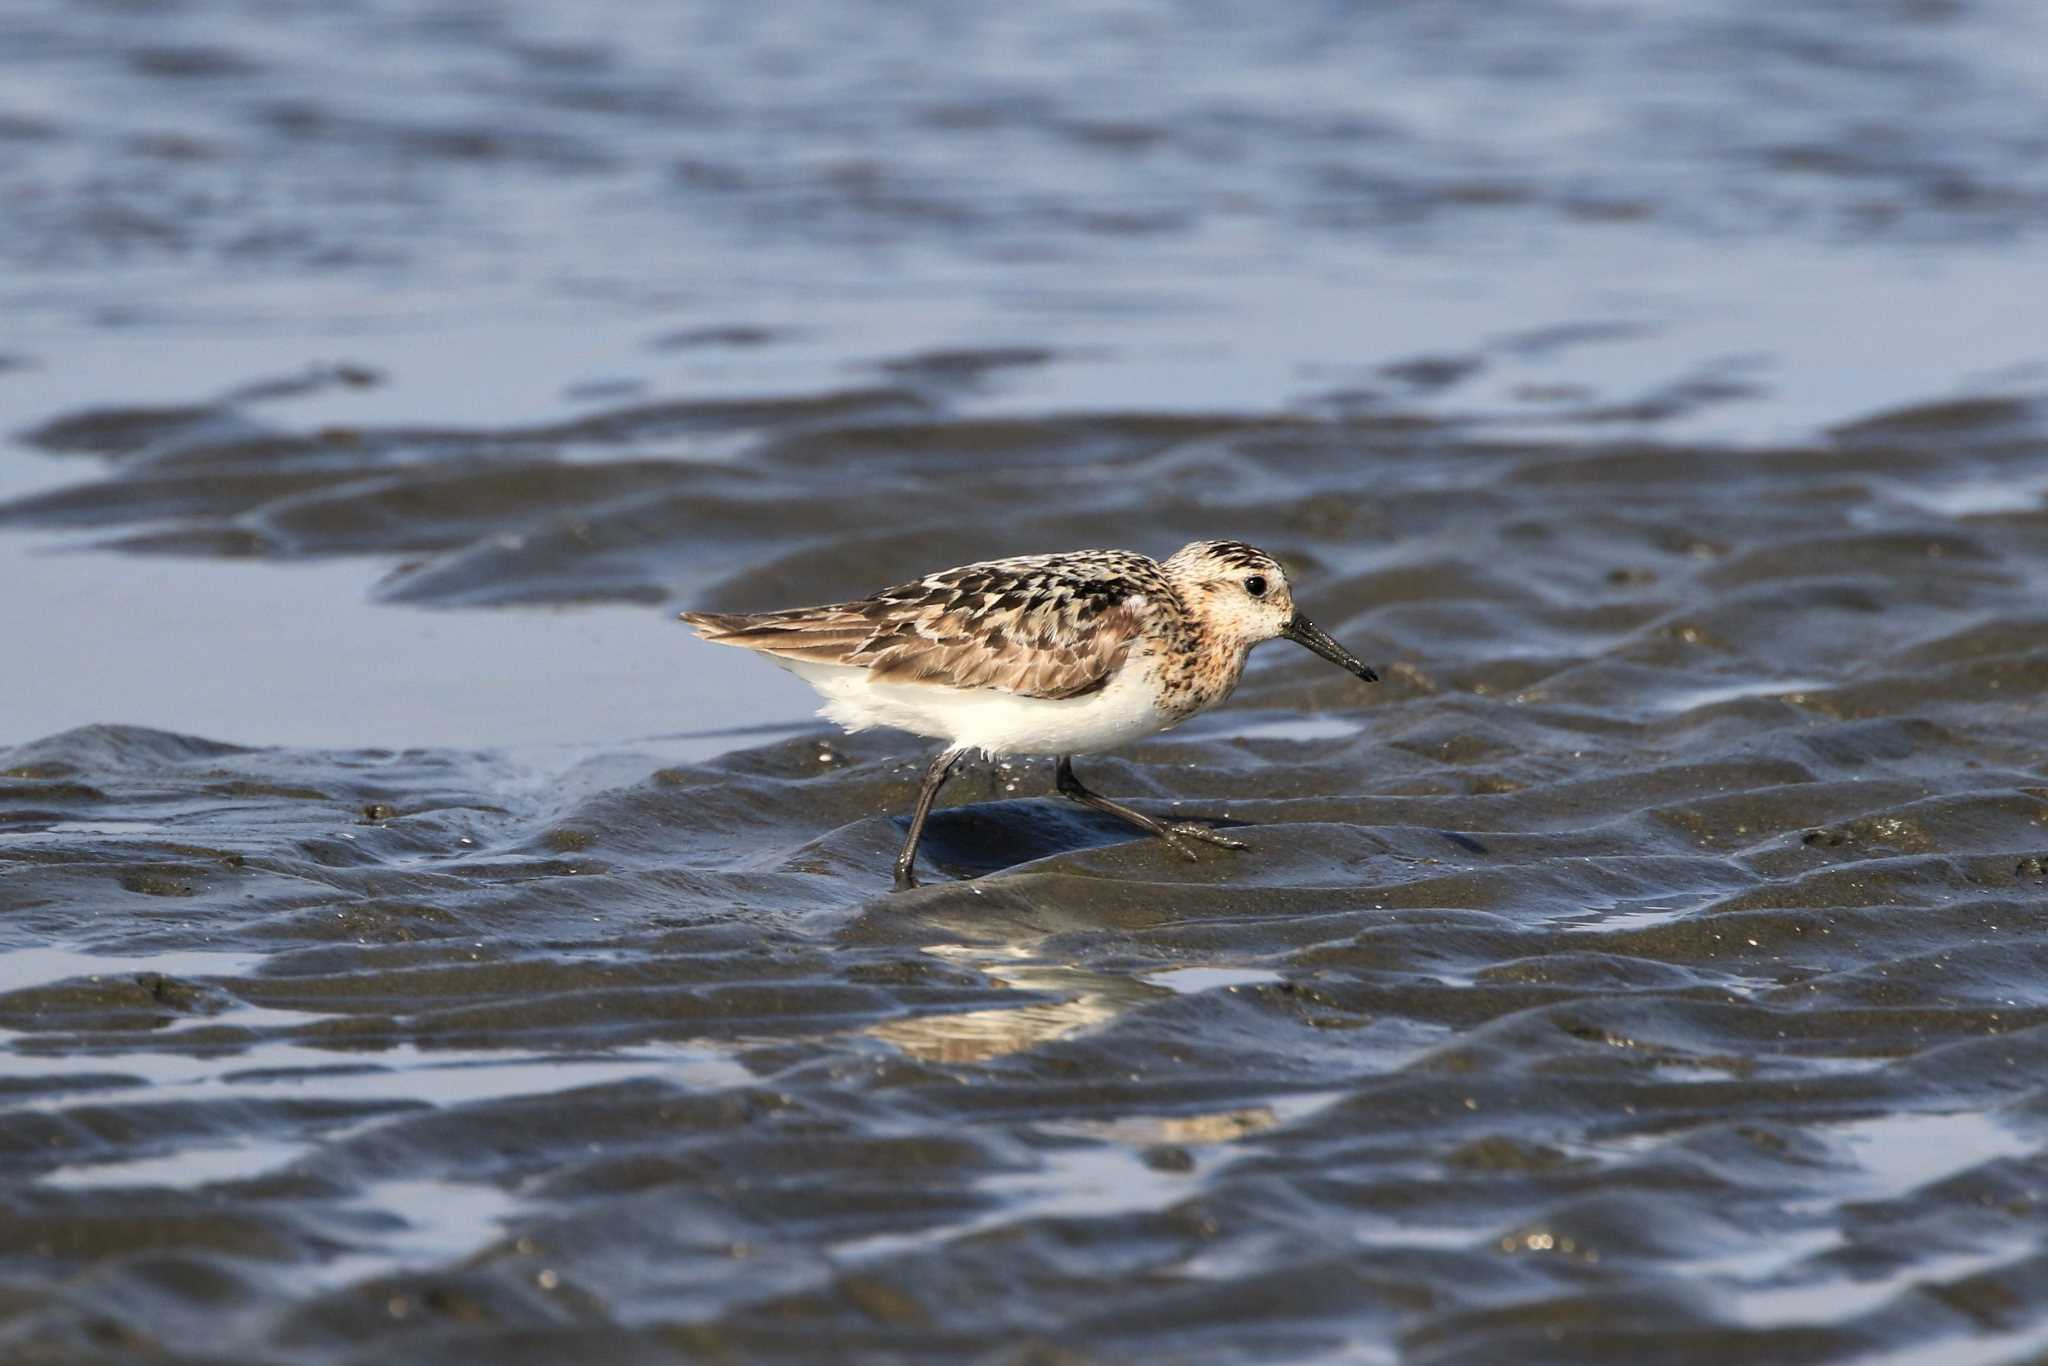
x=1050 y=626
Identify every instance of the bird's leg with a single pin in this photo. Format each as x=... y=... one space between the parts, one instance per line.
x=1175 y=835
x=934 y=779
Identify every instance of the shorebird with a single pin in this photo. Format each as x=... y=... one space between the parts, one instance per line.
x=1040 y=654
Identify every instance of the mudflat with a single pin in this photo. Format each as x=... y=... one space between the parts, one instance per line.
x=413 y=945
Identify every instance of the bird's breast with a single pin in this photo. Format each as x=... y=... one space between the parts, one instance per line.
x=1190 y=679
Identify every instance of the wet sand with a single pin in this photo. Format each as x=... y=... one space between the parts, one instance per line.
x=413 y=945
x=1647 y=960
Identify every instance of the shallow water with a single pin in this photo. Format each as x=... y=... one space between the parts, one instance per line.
x=412 y=944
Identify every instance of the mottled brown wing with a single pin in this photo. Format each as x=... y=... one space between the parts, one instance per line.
x=1040 y=626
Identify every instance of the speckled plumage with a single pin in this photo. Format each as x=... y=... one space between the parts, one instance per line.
x=1062 y=654
x=1049 y=626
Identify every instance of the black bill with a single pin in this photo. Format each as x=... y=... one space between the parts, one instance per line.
x=1302 y=631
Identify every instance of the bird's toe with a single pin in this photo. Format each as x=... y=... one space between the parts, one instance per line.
x=1208 y=836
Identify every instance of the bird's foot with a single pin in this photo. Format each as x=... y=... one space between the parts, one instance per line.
x=1176 y=836
x=905 y=880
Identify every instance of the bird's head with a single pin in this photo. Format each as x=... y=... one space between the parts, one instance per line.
x=1241 y=595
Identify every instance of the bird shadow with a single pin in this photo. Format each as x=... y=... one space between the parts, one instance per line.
x=988 y=837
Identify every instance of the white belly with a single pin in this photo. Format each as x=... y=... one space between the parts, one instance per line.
x=986 y=719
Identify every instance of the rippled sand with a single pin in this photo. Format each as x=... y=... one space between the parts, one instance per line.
x=1648 y=960
x=414 y=946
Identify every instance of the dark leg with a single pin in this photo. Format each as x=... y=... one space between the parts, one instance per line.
x=934 y=779
x=1175 y=835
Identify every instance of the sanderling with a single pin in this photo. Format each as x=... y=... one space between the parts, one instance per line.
x=1040 y=654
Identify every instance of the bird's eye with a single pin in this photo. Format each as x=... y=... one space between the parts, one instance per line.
x=1256 y=585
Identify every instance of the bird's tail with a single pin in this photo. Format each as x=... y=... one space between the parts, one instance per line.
x=807 y=634
x=719 y=626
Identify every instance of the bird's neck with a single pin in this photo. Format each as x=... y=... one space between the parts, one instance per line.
x=1197 y=670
